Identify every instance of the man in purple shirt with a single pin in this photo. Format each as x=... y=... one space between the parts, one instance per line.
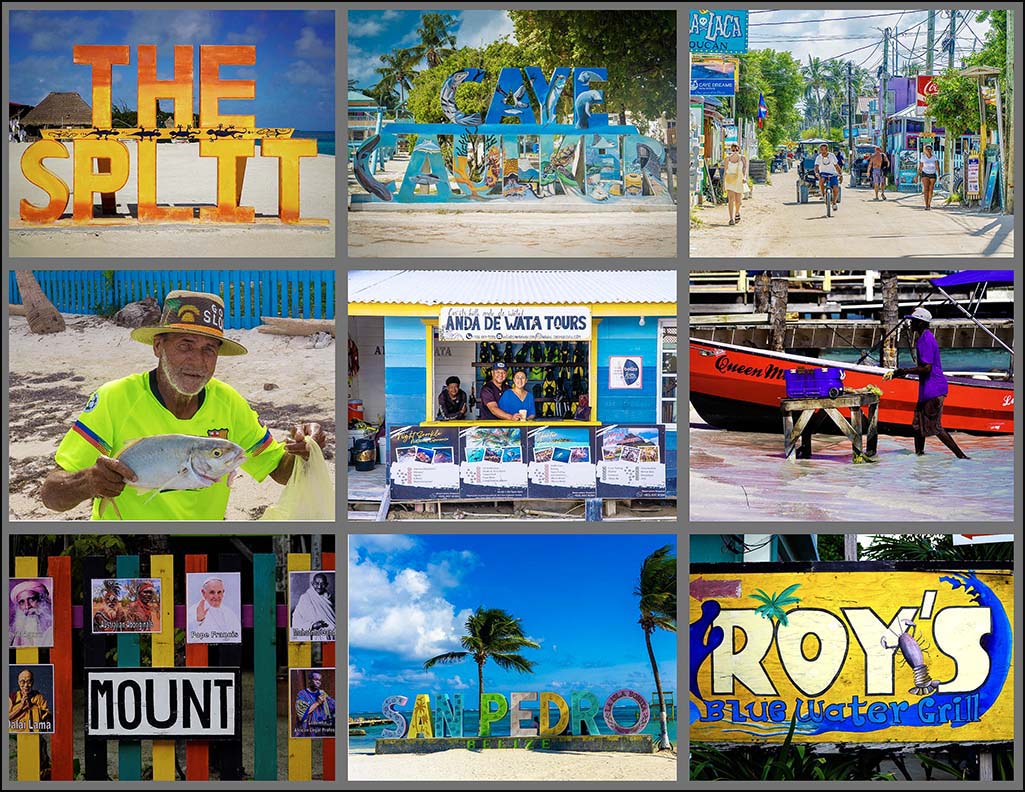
x=932 y=386
x=491 y=393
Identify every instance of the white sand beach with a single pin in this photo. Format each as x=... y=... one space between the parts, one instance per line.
x=183 y=178
x=52 y=376
x=421 y=231
x=514 y=765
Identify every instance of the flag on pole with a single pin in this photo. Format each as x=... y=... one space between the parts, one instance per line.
x=763 y=109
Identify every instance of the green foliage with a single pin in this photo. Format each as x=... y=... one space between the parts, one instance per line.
x=772 y=606
x=788 y=762
x=425 y=97
x=776 y=76
x=830 y=547
x=994 y=48
x=962 y=762
x=925 y=547
x=637 y=47
x=436 y=40
x=656 y=587
x=397 y=70
x=955 y=106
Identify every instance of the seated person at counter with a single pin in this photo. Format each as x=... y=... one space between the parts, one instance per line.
x=452 y=400
x=491 y=393
x=518 y=401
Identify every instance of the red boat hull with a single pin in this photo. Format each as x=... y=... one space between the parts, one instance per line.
x=739 y=388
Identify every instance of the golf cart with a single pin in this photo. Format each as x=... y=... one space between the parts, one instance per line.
x=807 y=181
x=859 y=167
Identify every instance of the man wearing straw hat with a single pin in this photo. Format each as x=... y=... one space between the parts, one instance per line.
x=179 y=396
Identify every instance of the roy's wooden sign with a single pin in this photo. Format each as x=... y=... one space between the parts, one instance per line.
x=101 y=158
x=163 y=703
x=890 y=655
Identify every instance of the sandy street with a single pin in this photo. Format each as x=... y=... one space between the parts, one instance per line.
x=774 y=224
x=52 y=376
x=183 y=178
x=424 y=232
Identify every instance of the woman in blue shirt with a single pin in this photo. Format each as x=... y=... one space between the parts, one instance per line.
x=518 y=398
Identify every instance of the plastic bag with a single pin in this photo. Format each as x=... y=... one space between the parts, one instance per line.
x=309 y=493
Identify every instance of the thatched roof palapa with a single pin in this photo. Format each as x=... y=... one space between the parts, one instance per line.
x=60 y=110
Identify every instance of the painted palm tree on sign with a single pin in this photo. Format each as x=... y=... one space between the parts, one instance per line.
x=657 y=590
x=491 y=633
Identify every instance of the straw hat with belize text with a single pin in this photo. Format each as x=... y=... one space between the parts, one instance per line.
x=192 y=313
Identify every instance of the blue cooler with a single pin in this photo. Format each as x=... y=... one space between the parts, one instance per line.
x=814 y=383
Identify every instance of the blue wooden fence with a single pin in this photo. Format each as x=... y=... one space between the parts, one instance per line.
x=247 y=294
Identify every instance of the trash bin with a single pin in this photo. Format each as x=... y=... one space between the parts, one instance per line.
x=802 y=192
x=364 y=453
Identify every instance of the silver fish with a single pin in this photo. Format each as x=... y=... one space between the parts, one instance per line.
x=448 y=97
x=554 y=93
x=426 y=178
x=178 y=462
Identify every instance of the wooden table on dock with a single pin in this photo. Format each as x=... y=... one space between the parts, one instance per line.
x=798 y=412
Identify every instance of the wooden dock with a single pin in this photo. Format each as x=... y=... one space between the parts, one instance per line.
x=797 y=413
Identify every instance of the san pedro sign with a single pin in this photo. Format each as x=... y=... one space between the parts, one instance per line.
x=101 y=158
x=900 y=655
x=577 y=717
x=518 y=151
x=163 y=703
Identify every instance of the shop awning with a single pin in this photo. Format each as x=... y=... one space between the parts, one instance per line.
x=508 y=287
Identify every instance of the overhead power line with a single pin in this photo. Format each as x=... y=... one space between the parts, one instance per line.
x=825 y=21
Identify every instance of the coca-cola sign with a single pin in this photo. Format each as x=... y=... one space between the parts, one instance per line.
x=926 y=87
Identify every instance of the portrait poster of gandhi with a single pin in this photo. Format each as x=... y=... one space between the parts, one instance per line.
x=30 y=611
x=213 y=607
x=311 y=606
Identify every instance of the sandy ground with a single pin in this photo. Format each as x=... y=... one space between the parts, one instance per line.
x=513 y=765
x=774 y=224
x=439 y=232
x=183 y=178
x=52 y=377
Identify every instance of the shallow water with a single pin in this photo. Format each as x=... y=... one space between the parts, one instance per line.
x=743 y=476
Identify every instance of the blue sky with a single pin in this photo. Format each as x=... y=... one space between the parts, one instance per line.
x=372 y=33
x=409 y=597
x=294 y=71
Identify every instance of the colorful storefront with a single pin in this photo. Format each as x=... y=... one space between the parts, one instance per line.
x=598 y=350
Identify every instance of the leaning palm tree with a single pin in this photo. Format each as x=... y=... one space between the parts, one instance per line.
x=815 y=74
x=399 y=68
x=436 y=40
x=42 y=317
x=657 y=590
x=491 y=633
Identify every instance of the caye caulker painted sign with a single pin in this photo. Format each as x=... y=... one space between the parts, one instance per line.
x=101 y=158
x=891 y=655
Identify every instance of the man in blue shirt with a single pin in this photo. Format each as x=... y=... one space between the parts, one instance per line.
x=491 y=394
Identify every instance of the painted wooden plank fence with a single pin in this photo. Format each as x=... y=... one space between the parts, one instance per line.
x=265 y=617
x=247 y=294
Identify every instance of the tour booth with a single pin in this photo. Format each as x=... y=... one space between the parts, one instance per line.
x=598 y=352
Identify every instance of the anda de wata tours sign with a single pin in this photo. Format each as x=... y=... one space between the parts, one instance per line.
x=163 y=703
x=514 y=323
x=718 y=31
x=101 y=158
x=892 y=653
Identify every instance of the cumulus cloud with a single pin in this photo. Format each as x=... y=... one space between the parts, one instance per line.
x=356 y=675
x=55 y=31
x=303 y=73
x=477 y=28
x=403 y=611
x=310 y=45
x=448 y=569
x=251 y=35
x=382 y=543
x=366 y=28
x=165 y=29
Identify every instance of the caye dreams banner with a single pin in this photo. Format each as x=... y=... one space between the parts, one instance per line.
x=853 y=656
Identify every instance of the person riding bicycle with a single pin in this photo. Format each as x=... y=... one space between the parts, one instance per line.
x=827 y=169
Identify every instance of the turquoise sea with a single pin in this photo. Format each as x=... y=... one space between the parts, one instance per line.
x=626 y=713
x=325 y=140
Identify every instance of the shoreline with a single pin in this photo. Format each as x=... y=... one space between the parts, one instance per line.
x=460 y=764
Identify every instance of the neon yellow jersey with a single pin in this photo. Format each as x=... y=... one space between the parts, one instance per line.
x=130 y=408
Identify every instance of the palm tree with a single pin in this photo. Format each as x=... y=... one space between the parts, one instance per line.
x=436 y=40
x=398 y=69
x=815 y=74
x=657 y=590
x=491 y=633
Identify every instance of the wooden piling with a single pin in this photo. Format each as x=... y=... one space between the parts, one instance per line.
x=890 y=318
x=778 y=289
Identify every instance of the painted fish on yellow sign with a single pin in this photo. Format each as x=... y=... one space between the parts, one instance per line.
x=851 y=656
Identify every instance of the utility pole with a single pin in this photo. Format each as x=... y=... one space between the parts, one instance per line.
x=896 y=61
x=930 y=40
x=948 y=150
x=884 y=78
x=1009 y=82
x=850 y=116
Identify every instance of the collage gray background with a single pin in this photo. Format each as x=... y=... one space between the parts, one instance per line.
x=683 y=264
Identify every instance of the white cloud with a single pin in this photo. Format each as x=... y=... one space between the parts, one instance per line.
x=356 y=675
x=251 y=35
x=365 y=28
x=319 y=17
x=310 y=45
x=457 y=683
x=404 y=612
x=447 y=569
x=55 y=32
x=165 y=28
x=386 y=543
x=479 y=28
x=389 y=15
x=303 y=73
